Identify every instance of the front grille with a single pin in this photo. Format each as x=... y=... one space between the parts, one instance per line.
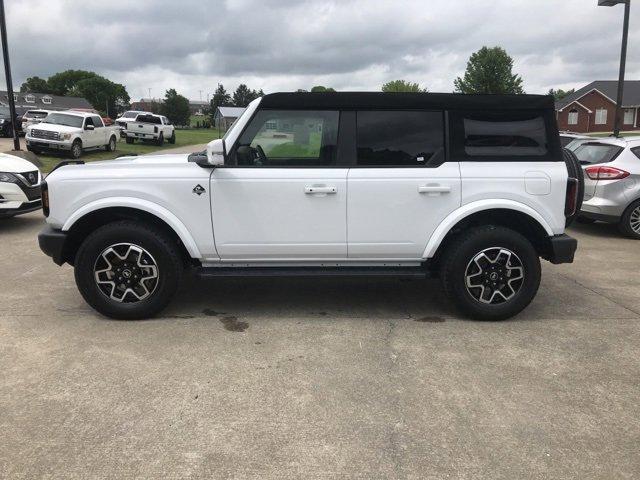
x=31 y=177
x=35 y=133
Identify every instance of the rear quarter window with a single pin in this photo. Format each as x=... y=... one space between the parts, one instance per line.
x=502 y=136
x=636 y=151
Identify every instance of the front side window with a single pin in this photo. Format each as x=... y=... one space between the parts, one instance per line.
x=601 y=116
x=400 y=138
x=573 y=117
x=288 y=138
x=592 y=153
x=97 y=121
x=502 y=137
x=88 y=122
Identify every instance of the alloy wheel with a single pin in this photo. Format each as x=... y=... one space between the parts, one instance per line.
x=126 y=273
x=634 y=220
x=494 y=276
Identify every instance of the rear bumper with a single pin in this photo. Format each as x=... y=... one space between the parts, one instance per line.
x=562 y=249
x=52 y=243
x=600 y=216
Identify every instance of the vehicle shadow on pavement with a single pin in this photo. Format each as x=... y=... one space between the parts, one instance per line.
x=20 y=224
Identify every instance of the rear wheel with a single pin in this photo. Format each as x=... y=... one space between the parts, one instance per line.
x=630 y=221
x=491 y=273
x=128 y=270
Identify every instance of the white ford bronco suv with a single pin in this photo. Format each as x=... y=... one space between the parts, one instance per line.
x=474 y=189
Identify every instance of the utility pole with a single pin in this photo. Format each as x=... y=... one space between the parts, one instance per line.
x=7 y=72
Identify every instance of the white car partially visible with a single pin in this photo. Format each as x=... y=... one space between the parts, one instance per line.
x=19 y=186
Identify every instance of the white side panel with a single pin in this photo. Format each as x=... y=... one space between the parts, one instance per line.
x=392 y=212
x=160 y=185
x=541 y=186
x=273 y=213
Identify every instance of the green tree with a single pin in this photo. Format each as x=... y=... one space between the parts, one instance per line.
x=320 y=88
x=63 y=82
x=220 y=99
x=489 y=70
x=103 y=94
x=402 y=86
x=35 y=85
x=176 y=108
x=560 y=94
x=243 y=95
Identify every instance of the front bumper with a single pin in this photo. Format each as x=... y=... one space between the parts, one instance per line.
x=25 y=207
x=52 y=242
x=43 y=144
x=562 y=249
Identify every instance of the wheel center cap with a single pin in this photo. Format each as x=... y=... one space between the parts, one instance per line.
x=493 y=276
x=126 y=273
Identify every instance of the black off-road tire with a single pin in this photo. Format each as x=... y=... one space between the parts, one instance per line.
x=129 y=140
x=112 y=145
x=160 y=140
x=162 y=248
x=172 y=139
x=76 y=149
x=631 y=214
x=575 y=171
x=461 y=252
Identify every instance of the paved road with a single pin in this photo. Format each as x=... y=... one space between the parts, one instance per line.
x=302 y=379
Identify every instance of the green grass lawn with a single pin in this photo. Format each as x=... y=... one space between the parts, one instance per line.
x=183 y=138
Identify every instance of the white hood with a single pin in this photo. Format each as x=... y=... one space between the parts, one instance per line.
x=13 y=164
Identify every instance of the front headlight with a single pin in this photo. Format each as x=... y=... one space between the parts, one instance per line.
x=8 y=178
x=2 y=120
x=64 y=136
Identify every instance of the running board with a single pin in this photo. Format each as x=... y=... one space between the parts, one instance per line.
x=210 y=272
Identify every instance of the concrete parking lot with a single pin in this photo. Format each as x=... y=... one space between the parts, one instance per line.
x=300 y=379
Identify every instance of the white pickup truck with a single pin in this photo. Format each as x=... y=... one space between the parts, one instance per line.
x=473 y=189
x=150 y=127
x=71 y=132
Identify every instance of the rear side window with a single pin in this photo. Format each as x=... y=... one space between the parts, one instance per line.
x=505 y=136
x=592 y=153
x=400 y=138
x=636 y=151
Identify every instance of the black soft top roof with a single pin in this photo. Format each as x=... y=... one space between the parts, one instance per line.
x=405 y=101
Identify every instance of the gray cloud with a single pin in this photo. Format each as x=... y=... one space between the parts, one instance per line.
x=288 y=44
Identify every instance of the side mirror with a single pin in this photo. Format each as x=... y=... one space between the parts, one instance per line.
x=89 y=127
x=215 y=152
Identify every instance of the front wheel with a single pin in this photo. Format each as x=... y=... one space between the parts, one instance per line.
x=111 y=146
x=76 y=149
x=128 y=270
x=491 y=273
x=630 y=221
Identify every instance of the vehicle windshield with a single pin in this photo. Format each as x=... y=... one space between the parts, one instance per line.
x=64 y=119
x=129 y=114
x=591 y=153
x=35 y=114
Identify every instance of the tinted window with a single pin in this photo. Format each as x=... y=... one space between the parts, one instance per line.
x=88 y=121
x=148 y=119
x=502 y=137
x=64 y=119
x=636 y=151
x=590 y=153
x=388 y=138
x=289 y=138
x=97 y=122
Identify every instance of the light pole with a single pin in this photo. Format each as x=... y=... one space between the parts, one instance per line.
x=7 y=72
x=623 y=58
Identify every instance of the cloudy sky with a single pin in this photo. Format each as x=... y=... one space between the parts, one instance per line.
x=283 y=45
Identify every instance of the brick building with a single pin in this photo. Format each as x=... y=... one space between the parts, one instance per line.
x=593 y=107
